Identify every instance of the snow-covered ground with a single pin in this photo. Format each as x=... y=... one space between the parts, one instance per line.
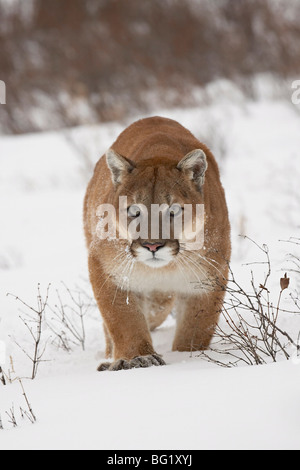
x=185 y=405
x=189 y=403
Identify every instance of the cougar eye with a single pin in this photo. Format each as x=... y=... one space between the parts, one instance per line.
x=133 y=211
x=175 y=210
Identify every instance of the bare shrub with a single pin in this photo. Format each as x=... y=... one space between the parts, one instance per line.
x=65 y=319
x=24 y=413
x=68 y=318
x=2 y=377
x=8 y=375
x=249 y=331
x=294 y=258
x=33 y=320
x=11 y=416
x=29 y=412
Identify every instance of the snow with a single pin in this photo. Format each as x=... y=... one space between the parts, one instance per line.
x=180 y=406
x=189 y=403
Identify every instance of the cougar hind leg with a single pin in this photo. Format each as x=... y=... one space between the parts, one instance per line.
x=156 y=308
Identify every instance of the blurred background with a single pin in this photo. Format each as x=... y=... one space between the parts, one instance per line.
x=73 y=62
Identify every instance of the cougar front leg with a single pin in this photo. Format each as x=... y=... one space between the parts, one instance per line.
x=124 y=322
x=197 y=317
x=109 y=343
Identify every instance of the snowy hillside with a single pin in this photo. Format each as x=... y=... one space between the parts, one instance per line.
x=190 y=403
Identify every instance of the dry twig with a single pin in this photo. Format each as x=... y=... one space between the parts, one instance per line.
x=35 y=318
x=251 y=334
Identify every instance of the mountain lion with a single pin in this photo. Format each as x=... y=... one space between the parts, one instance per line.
x=138 y=279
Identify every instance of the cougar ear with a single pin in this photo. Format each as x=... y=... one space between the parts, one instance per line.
x=118 y=166
x=195 y=164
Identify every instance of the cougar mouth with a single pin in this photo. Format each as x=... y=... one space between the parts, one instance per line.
x=155 y=254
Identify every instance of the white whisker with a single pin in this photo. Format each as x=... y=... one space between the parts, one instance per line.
x=209 y=262
x=123 y=276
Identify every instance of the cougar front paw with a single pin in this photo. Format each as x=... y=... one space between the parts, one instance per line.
x=135 y=363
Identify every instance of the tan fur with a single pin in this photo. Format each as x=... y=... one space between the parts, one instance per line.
x=134 y=298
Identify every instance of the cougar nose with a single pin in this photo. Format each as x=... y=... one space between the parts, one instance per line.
x=153 y=246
